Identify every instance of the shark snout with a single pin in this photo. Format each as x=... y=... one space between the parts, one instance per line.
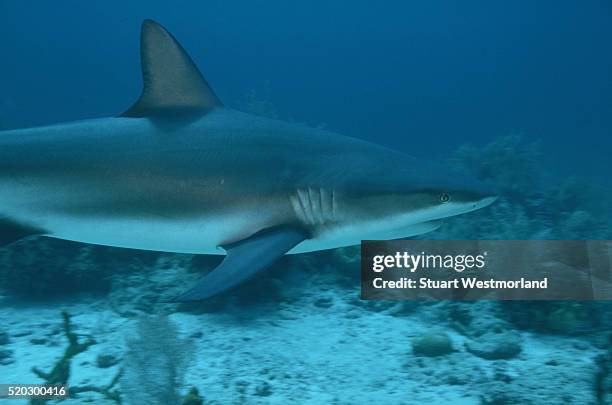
x=481 y=195
x=469 y=194
x=484 y=202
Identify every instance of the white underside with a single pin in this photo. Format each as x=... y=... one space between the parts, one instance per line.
x=205 y=236
x=199 y=236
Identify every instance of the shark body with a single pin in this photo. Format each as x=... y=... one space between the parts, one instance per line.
x=180 y=172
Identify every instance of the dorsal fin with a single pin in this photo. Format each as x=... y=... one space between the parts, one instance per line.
x=172 y=83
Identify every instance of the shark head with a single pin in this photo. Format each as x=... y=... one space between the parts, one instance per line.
x=384 y=194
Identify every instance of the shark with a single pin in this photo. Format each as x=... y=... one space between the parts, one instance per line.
x=180 y=172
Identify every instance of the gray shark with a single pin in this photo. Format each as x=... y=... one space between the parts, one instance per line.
x=179 y=172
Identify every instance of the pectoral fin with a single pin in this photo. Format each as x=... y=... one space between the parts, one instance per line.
x=244 y=259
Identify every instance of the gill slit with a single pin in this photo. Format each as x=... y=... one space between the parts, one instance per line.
x=315 y=206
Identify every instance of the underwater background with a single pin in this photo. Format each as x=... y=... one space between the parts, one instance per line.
x=518 y=94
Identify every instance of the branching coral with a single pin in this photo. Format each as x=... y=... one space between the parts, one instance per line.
x=60 y=374
x=61 y=371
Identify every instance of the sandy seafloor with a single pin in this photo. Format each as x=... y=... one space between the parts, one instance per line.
x=318 y=344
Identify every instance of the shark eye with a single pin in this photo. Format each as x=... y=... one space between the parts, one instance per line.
x=444 y=198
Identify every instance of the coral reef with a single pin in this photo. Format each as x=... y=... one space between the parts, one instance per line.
x=42 y=268
x=509 y=163
x=532 y=206
x=559 y=317
x=147 y=289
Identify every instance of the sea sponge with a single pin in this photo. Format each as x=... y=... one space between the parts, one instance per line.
x=155 y=362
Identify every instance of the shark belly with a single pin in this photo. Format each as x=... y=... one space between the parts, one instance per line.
x=206 y=235
x=202 y=235
x=48 y=207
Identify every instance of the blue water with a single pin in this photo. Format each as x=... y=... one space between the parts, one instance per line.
x=416 y=77
x=426 y=78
